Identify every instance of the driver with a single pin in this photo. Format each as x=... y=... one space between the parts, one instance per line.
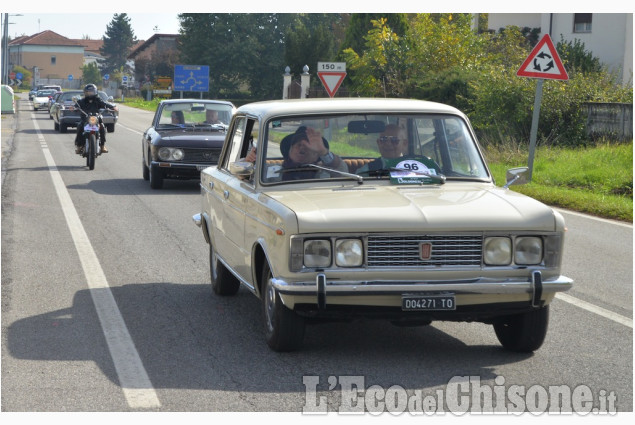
x=91 y=103
x=392 y=143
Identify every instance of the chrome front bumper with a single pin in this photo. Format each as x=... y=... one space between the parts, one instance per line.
x=535 y=287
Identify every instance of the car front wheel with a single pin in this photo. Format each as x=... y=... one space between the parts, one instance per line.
x=284 y=329
x=156 y=177
x=223 y=281
x=523 y=332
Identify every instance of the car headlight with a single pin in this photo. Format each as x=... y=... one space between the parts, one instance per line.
x=528 y=250
x=349 y=252
x=171 y=154
x=497 y=251
x=317 y=253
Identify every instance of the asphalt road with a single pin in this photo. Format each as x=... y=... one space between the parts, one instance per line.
x=106 y=306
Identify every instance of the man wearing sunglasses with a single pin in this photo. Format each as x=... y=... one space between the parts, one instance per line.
x=392 y=143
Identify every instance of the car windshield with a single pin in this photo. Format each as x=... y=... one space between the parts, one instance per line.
x=45 y=93
x=194 y=115
x=103 y=95
x=423 y=148
x=68 y=96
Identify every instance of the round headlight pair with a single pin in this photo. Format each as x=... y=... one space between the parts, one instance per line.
x=497 y=251
x=348 y=253
x=170 y=154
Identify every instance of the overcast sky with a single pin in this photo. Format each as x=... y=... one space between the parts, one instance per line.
x=62 y=17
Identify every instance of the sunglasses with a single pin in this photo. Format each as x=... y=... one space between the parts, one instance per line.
x=391 y=139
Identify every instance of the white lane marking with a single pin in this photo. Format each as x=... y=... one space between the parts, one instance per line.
x=133 y=377
x=130 y=129
x=595 y=309
x=591 y=217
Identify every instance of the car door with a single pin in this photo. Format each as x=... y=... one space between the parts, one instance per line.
x=227 y=201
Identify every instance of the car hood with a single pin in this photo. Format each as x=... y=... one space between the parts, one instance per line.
x=450 y=207
x=178 y=137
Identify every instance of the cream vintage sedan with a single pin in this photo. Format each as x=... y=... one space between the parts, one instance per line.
x=379 y=208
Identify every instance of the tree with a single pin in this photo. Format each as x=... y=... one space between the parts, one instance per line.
x=361 y=23
x=91 y=74
x=575 y=58
x=243 y=51
x=307 y=42
x=382 y=69
x=118 y=41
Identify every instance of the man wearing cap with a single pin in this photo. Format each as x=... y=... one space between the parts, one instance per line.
x=307 y=146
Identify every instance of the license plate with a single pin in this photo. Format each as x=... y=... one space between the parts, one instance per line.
x=428 y=302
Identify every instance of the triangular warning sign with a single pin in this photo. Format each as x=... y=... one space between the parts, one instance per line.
x=543 y=62
x=331 y=81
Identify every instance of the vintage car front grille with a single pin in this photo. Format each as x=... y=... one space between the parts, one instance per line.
x=201 y=155
x=445 y=250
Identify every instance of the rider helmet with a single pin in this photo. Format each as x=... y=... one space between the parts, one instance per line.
x=90 y=91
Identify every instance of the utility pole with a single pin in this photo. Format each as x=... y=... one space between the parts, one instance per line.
x=5 y=52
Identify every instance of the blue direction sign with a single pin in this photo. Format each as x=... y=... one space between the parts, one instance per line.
x=70 y=77
x=191 y=78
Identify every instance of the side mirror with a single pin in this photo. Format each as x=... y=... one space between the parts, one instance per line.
x=242 y=169
x=518 y=175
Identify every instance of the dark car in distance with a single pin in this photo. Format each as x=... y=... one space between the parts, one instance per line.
x=64 y=111
x=109 y=118
x=186 y=136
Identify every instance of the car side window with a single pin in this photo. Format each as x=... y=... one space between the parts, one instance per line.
x=237 y=136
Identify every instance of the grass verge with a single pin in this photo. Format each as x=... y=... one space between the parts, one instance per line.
x=595 y=180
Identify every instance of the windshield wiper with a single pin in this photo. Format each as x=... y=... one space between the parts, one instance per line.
x=360 y=179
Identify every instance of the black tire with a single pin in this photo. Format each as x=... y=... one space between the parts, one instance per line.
x=110 y=128
x=156 y=177
x=284 y=329
x=56 y=126
x=223 y=281
x=523 y=332
x=92 y=150
x=63 y=128
x=146 y=171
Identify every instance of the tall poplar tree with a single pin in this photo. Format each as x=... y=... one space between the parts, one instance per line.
x=118 y=41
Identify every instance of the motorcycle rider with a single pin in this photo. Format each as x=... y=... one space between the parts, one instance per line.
x=91 y=103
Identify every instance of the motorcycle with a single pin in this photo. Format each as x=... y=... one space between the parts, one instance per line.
x=92 y=145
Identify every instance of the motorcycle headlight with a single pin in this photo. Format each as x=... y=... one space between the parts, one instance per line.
x=349 y=252
x=317 y=253
x=528 y=250
x=497 y=251
x=92 y=120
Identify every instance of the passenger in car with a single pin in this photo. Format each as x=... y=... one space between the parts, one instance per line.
x=392 y=143
x=211 y=117
x=177 y=118
x=307 y=146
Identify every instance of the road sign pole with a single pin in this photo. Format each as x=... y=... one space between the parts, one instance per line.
x=534 y=126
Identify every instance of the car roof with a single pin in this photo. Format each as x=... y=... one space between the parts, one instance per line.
x=224 y=102
x=343 y=105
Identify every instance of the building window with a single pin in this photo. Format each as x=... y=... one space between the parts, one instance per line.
x=53 y=60
x=582 y=22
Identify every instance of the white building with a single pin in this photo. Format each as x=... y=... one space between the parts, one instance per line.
x=609 y=36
